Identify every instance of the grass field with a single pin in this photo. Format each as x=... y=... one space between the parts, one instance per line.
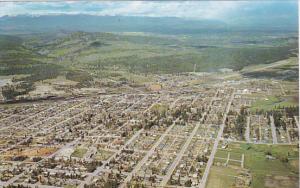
x=266 y=103
x=103 y=155
x=79 y=152
x=272 y=101
x=221 y=177
x=263 y=170
x=221 y=153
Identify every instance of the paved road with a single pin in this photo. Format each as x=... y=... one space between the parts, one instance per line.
x=12 y=180
x=66 y=120
x=259 y=143
x=22 y=114
x=273 y=129
x=49 y=109
x=185 y=146
x=19 y=114
x=129 y=108
x=146 y=157
x=35 y=185
x=259 y=127
x=31 y=116
x=297 y=121
x=151 y=106
x=91 y=151
x=195 y=99
x=134 y=104
x=247 y=132
x=215 y=147
x=151 y=151
x=44 y=130
x=100 y=168
x=288 y=136
x=70 y=144
x=180 y=155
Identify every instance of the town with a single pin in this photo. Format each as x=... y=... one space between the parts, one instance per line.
x=149 y=94
x=171 y=137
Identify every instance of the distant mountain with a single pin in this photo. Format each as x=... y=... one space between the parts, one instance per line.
x=163 y=25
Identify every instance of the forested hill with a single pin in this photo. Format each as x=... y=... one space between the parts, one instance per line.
x=139 y=53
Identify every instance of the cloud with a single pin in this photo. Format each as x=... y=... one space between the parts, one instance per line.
x=184 y=9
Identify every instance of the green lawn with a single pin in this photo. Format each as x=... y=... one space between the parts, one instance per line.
x=103 y=155
x=270 y=102
x=79 y=152
x=265 y=103
x=236 y=156
x=260 y=167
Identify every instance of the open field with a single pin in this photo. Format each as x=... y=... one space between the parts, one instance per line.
x=221 y=177
x=79 y=152
x=283 y=169
x=271 y=102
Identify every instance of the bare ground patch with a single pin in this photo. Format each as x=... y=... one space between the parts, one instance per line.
x=281 y=181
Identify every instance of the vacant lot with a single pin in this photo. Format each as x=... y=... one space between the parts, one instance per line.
x=34 y=152
x=281 y=171
x=220 y=177
x=79 y=152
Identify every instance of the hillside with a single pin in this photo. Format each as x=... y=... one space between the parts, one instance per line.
x=133 y=56
x=140 y=52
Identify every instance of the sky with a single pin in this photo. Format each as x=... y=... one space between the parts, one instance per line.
x=217 y=10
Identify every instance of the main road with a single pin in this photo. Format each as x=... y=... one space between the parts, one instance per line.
x=101 y=168
x=146 y=157
x=185 y=146
x=151 y=151
x=215 y=147
x=273 y=128
x=247 y=132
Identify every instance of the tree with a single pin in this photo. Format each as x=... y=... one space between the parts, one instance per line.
x=9 y=92
x=188 y=183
